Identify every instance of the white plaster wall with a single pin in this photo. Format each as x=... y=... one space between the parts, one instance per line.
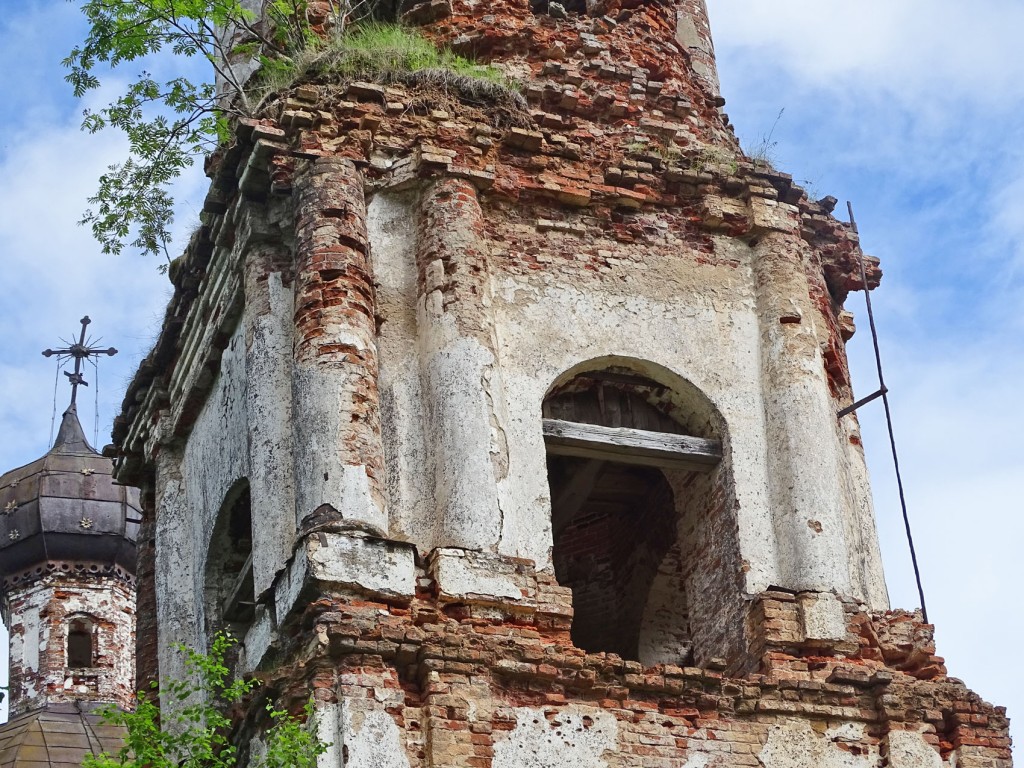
x=908 y=749
x=803 y=453
x=217 y=452
x=439 y=383
x=371 y=564
x=459 y=418
x=269 y=419
x=795 y=744
x=707 y=338
x=214 y=458
x=26 y=643
x=391 y=225
x=578 y=736
x=321 y=474
x=360 y=734
x=179 y=573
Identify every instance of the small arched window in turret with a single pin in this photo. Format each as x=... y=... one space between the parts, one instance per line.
x=81 y=651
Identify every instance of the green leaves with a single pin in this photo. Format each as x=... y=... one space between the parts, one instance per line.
x=172 y=122
x=290 y=744
x=197 y=729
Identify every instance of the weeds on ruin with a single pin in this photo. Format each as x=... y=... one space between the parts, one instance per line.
x=763 y=152
x=668 y=153
x=389 y=53
x=195 y=733
x=714 y=157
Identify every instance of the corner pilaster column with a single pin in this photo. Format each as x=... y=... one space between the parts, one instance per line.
x=338 y=456
x=462 y=382
x=180 y=615
x=800 y=420
x=268 y=363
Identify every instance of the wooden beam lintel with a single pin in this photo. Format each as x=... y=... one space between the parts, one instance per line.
x=631 y=446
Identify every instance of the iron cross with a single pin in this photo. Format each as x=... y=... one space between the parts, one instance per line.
x=80 y=351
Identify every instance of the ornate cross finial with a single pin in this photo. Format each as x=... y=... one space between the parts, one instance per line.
x=80 y=351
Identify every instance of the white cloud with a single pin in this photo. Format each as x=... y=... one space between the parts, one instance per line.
x=911 y=109
x=909 y=49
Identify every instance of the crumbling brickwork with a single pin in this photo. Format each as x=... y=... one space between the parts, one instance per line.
x=390 y=281
x=41 y=613
x=459 y=684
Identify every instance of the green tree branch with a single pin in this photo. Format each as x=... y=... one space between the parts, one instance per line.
x=197 y=735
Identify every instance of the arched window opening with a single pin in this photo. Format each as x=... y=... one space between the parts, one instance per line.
x=625 y=467
x=81 y=651
x=230 y=591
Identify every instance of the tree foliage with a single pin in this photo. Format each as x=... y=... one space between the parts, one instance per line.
x=196 y=732
x=171 y=122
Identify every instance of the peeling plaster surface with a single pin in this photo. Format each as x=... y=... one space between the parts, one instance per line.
x=459 y=419
x=823 y=616
x=576 y=736
x=373 y=740
x=697 y=760
x=367 y=563
x=269 y=391
x=463 y=574
x=908 y=749
x=179 y=598
x=216 y=455
x=795 y=744
x=322 y=477
x=391 y=224
x=359 y=738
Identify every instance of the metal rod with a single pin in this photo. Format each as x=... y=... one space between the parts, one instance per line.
x=888 y=420
x=863 y=401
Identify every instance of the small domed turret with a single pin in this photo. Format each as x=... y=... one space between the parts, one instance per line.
x=67 y=569
x=63 y=512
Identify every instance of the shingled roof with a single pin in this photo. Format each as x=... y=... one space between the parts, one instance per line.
x=58 y=736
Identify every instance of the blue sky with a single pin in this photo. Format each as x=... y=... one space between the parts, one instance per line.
x=912 y=110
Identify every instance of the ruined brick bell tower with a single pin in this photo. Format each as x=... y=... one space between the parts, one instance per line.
x=505 y=421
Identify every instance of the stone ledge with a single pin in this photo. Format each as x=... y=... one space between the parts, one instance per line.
x=374 y=568
x=486 y=579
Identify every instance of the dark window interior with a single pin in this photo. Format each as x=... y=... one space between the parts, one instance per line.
x=80 y=645
x=229 y=580
x=613 y=524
